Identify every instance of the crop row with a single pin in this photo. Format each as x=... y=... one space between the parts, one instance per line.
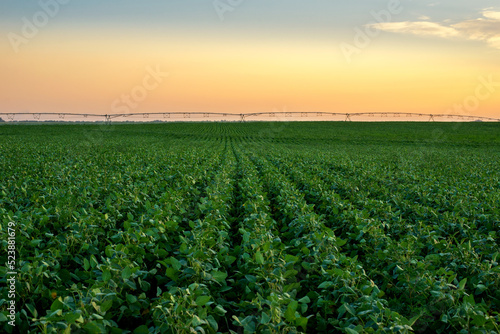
x=217 y=228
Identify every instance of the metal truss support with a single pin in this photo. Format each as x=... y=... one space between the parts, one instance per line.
x=243 y=116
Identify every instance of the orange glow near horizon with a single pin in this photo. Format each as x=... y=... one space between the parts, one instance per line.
x=238 y=75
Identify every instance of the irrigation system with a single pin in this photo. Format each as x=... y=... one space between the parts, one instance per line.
x=240 y=117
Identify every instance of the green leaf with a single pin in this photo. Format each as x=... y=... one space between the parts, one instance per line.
x=305 y=300
x=211 y=321
x=479 y=320
x=480 y=288
x=171 y=273
x=291 y=259
x=93 y=327
x=36 y=242
x=109 y=251
x=131 y=299
x=251 y=278
x=248 y=324
x=145 y=286
x=196 y=321
x=259 y=258
x=3 y=317
x=412 y=321
x=202 y=300
x=398 y=269
x=302 y=322
x=470 y=299
x=265 y=318
x=175 y=263
x=349 y=309
x=106 y=275
x=340 y=242
x=86 y=264
x=338 y=272
x=131 y=284
x=350 y=331
x=141 y=330
x=106 y=305
x=494 y=256
x=246 y=235
x=126 y=273
x=325 y=285
x=93 y=261
x=56 y=305
x=341 y=310
x=229 y=260
x=219 y=276
x=462 y=283
x=290 y=310
x=71 y=318
x=32 y=310
x=219 y=310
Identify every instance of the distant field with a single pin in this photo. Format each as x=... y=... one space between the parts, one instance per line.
x=293 y=227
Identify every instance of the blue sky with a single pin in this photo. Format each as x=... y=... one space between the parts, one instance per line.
x=256 y=14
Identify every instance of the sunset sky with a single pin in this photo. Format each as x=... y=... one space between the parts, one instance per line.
x=113 y=56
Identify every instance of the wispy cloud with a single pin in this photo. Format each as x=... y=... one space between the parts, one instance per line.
x=491 y=15
x=422 y=28
x=485 y=28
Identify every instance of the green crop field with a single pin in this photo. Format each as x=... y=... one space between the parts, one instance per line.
x=250 y=227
